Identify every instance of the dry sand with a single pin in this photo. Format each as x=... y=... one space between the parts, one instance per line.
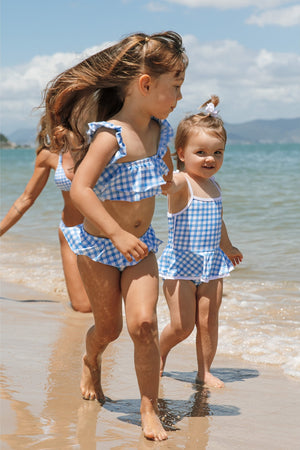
x=42 y=343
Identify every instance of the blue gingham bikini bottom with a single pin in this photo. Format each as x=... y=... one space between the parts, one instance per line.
x=102 y=249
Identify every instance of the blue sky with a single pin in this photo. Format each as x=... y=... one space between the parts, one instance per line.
x=245 y=51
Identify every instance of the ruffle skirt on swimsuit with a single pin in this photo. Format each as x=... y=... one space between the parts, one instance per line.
x=187 y=265
x=102 y=249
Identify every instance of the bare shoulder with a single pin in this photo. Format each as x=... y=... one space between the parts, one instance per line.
x=46 y=159
x=216 y=183
x=106 y=138
x=102 y=148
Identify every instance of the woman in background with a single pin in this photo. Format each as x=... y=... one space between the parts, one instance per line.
x=63 y=166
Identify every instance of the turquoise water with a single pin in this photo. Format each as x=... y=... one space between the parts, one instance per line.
x=260 y=315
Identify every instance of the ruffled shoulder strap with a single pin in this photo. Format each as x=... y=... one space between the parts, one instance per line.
x=94 y=126
x=166 y=134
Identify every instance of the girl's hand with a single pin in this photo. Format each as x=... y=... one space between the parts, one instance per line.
x=235 y=256
x=130 y=246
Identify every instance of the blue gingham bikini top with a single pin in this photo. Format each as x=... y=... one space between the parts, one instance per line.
x=61 y=180
x=134 y=180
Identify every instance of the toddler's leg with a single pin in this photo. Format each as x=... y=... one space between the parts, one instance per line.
x=102 y=284
x=209 y=298
x=181 y=299
x=140 y=292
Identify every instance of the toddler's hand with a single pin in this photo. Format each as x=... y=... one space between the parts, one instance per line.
x=235 y=256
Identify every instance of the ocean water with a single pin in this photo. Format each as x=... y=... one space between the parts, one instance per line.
x=260 y=314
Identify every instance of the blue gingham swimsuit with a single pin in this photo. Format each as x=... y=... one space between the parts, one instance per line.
x=61 y=180
x=129 y=181
x=193 y=250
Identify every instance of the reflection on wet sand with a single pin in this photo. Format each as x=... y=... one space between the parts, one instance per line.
x=42 y=349
x=50 y=340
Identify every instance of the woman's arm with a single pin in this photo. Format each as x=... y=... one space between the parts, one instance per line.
x=33 y=189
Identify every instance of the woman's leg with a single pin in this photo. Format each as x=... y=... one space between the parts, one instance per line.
x=209 y=299
x=140 y=291
x=102 y=285
x=181 y=299
x=76 y=291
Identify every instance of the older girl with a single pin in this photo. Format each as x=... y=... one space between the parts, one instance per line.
x=125 y=92
x=63 y=166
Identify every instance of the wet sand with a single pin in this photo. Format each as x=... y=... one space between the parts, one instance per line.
x=42 y=343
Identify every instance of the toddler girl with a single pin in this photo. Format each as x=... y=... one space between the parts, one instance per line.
x=194 y=261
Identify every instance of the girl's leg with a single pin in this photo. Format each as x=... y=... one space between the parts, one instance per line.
x=209 y=298
x=76 y=291
x=181 y=299
x=140 y=293
x=102 y=284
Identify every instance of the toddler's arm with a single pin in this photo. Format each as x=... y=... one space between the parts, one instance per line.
x=168 y=161
x=175 y=184
x=169 y=177
x=232 y=252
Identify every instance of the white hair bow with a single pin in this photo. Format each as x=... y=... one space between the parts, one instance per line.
x=211 y=110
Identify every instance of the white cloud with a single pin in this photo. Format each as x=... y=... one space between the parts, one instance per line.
x=156 y=7
x=22 y=86
x=284 y=17
x=232 y=4
x=251 y=84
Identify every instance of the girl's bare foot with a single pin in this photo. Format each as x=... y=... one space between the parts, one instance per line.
x=90 y=384
x=210 y=381
x=152 y=427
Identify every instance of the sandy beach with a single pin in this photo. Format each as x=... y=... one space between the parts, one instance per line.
x=42 y=343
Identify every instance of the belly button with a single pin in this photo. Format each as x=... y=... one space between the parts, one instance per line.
x=137 y=224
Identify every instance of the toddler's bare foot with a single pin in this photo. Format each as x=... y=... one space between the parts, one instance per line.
x=152 y=427
x=90 y=385
x=210 y=381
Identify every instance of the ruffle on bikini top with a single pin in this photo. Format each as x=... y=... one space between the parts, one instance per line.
x=134 y=180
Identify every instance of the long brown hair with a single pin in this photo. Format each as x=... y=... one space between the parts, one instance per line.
x=95 y=89
x=42 y=138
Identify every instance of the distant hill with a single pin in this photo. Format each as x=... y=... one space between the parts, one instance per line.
x=255 y=132
x=5 y=143
x=265 y=131
x=23 y=136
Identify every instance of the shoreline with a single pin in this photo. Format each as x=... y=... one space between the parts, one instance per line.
x=42 y=346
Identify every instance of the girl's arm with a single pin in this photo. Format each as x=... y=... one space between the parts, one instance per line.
x=232 y=252
x=33 y=189
x=100 y=152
